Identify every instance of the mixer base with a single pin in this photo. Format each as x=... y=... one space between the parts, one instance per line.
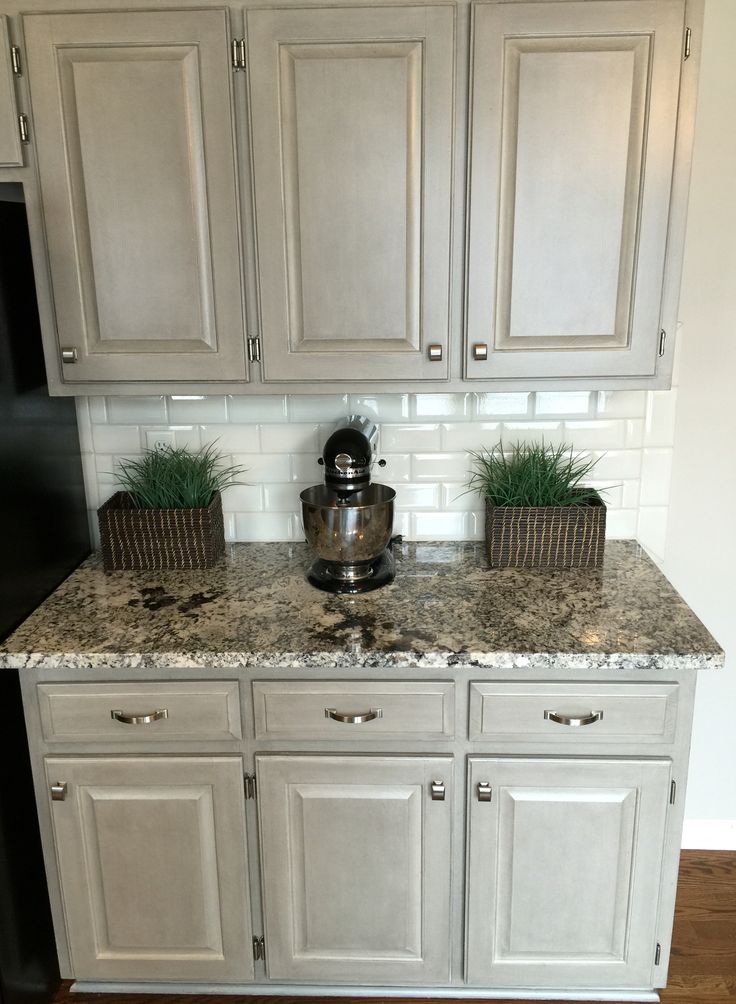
x=336 y=578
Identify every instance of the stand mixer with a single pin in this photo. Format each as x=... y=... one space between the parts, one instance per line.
x=348 y=519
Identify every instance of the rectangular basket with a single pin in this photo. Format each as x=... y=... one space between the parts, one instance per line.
x=545 y=537
x=139 y=539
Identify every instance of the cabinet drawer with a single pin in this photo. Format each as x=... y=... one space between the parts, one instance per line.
x=574 y=712
x=143 y=712
x=346 y=710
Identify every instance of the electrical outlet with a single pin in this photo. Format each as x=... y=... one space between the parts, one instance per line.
x=160 y=440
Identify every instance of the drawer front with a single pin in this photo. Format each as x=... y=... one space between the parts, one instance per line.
x=345 y=710
x=574 y=712
x=140 y=712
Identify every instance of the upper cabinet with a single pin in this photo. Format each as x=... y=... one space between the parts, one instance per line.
x=352 y=133
x=573 y=122
x=133 y=123
x=10 y=149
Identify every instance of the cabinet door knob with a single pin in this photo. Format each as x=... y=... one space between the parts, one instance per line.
x=480 y=351
x=553 y=716
x=485 y=792
x=151 y=716
x=435 y=353
x=438 y=791
x=353 y=718
x=59 y=791
x=68 y=355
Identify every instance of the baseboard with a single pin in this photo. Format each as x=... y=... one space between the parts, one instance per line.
x=709 y=834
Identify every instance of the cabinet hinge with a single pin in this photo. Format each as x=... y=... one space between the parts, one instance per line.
x=249 y=782
x=259 y=949
x=662 y=342
x=15 y=60
x=673 y=792
x=237 y=54
x=254 y=350
x=686 y=46
x=657 y=953
x=25 y=136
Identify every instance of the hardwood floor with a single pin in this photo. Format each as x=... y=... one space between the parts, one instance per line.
x=702 y=966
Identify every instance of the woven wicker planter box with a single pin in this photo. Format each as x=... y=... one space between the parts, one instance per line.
x=551 y=537
x=159 y=538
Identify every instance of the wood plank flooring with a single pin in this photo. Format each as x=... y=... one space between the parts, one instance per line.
x=702 y=965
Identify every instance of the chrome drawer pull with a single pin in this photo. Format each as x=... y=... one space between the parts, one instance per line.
x=594 y=716
x=353 y=719
x=152 y=716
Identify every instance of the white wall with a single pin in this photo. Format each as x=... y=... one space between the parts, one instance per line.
x=700 y=556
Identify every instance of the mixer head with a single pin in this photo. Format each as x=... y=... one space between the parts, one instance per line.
x=348 y=456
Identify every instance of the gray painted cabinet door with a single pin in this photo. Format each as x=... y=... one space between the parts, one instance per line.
x=10 y=149
x=351 y=116
x=564 y=867
x=133 y=123
x=574 y=109
x=355 y=859
x=152 y=858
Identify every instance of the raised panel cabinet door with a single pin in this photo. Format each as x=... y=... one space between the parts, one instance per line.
x=564 y=865
x=355 y=858
x=132 y=115
x=351 y=117
x=11 y=154
x=574 y=111
x=152 y=857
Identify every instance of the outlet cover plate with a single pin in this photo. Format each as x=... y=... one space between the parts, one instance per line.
x=160 y=440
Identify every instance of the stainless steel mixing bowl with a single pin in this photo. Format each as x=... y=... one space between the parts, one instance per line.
x=352 y=533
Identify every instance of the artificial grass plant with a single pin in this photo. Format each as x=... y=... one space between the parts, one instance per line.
x=532 y=474
x=176 y=478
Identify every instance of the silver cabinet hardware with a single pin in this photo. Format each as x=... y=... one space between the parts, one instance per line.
x=673 y=792
x=480 y=351
x=150 y=716
x=688 y=41
x=59 y=791
x=68 y=355
x=657 y=954
x=352 y=717
x=662 y=342
x=438 y=791
x=237 y=53
x=25 y=136
x=259 y=949
x=594 y=716
x=435 y=353
x=15 y=59
x=249 y=781
x=254 y=350
x=485 y=792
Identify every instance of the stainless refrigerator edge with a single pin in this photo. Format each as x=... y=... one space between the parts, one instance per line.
x=43 y=537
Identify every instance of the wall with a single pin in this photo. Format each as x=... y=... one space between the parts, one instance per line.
x=424 y=439
x=700 y=556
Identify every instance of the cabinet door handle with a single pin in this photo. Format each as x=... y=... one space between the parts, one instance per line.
x=437 y=791
x=485 y=792
x=151 y=716
x=353 y=718
x=553 y=716
x=59 y=791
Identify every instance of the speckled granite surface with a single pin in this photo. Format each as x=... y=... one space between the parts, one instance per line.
x=445 y=608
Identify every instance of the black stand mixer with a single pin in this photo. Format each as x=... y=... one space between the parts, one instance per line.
x=348 y=520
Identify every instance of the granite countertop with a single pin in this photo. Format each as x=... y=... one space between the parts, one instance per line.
x=445 y=608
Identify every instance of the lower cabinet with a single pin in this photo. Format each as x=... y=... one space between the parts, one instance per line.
x=356 y=860
x=152 y=860
x=564 y=864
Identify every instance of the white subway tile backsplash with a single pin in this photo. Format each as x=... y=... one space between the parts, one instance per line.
x=116 y=438
x=192 y=410
x=381 y=407
x=656 y=471
x=417 y=496
x=318 y=407
x=261 y=468
x=562 y=403
x=440 y=467
x=659 y=426
x=502 y=405
x=425 y=440
x=621 y=403
x=138 y=410
x=259 y=408
x=409 y=437
x=439 y=406
x=293 y=437
x=469 y=436
x=232 y=438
